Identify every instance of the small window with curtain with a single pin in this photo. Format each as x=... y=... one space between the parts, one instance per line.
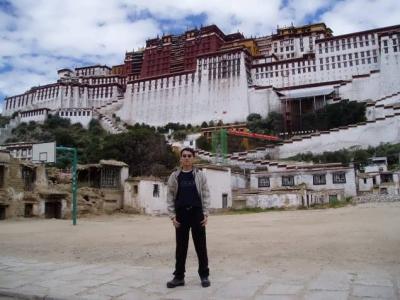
x=319 y=179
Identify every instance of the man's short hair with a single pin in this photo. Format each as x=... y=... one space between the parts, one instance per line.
x=188 y=149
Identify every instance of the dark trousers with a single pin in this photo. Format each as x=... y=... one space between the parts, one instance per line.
x=190 y=218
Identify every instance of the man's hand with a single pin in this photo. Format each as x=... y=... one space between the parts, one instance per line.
x=176 y=223
x=204 y=222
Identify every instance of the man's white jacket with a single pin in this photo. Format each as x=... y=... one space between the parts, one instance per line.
x=202 y=189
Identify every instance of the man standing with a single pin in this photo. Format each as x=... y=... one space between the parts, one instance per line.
x=188 y=202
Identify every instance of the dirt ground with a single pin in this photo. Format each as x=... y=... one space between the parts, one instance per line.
x=363 y=234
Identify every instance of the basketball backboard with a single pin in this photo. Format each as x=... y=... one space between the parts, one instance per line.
x=44 y=153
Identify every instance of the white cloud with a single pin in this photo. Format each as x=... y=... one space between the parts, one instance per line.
x=357 y=15
x=51 y=34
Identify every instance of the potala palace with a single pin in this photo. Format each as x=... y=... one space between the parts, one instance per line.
x=205 y=74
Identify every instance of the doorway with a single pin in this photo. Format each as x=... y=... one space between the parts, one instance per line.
x=52 y=209
x=224 y=200
x=28 y=210
x=3 y=212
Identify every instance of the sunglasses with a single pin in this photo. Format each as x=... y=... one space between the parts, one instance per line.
x=187 y=156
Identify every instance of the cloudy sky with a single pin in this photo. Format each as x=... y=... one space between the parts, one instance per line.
x=39 y=37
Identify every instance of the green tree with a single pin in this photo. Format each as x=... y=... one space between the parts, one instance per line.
x=203 y=143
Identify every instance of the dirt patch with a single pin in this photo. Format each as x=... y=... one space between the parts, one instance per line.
x=355 y=234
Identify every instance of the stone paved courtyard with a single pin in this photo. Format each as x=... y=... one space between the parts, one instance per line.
x=345 y=253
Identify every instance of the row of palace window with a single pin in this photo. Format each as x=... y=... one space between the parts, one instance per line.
x=18 y=101
x=101 y=92
x=300 y=70
x=215 y=59
x=33 y=113
x=103 y=80
x=350 y=63
x=318 y=179
x=21 y=101
x=75 y=113
x=223 y=69
x=162 y=83
x=47 y=93
x=346 y=44
x=342 y=57
x=88 y=71
x=395 y=49
x=348 y=56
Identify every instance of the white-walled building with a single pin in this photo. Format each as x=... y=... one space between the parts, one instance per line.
x=146 y=195
x=149 y=194
x=376 y=178
x=281 y=186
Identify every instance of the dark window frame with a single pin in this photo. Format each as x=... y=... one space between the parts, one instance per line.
x=336 y=177
x=319 y=179
x=264 y=181
x=288 y=180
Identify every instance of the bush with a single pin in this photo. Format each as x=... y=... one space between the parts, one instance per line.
x=203 y=143
x=179 y=135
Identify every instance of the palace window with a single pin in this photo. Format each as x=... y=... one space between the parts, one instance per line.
x=339 y=177
x=287 y=180
x=263 y=181
x=319 y=179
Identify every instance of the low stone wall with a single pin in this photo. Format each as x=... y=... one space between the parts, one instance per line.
x=376 y=198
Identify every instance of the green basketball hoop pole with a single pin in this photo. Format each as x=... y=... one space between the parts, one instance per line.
x=219 y=145
x=74 y=179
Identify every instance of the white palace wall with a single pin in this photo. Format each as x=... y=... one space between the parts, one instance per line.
x=370 y=134
x=199 y=98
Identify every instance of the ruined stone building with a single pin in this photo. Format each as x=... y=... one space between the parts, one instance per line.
x=31 y=190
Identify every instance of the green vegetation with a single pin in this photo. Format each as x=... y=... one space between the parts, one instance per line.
x=4 y=120
x=203 y=143
x=332 y=204
x=359 y=157
x=142 y=148
x=334 y=115
x=272 y=124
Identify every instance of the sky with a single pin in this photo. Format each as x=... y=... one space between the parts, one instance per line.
x=39 y=37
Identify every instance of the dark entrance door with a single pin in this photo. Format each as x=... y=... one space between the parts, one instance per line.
x=224 y=200
x=28 y=210
x=2 y=212
x=52 y=209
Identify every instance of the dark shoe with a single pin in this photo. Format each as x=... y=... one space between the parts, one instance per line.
x=175 y=282
x=205 y=282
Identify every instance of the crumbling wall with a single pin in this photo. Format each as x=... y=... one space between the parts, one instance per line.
x=12 y=194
